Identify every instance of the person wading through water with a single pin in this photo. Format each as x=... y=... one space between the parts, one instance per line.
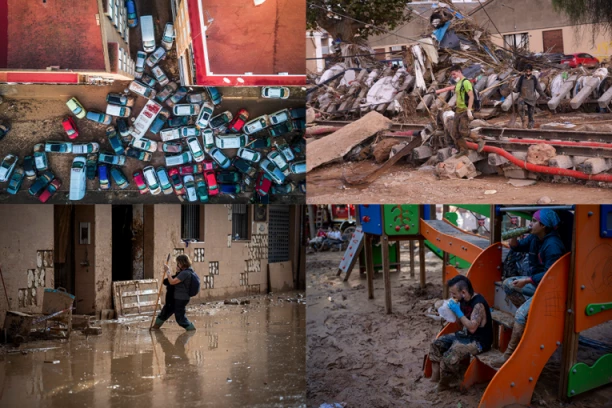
x=177 y=294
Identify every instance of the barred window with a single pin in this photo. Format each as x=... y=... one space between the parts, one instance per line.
x=192 y=222
x=241 y=220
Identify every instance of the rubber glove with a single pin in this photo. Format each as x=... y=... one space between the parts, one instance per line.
x=454 y=306
x=470 y=115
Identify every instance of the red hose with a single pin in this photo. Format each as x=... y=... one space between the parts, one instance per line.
x=562 y=143
x=543 y=169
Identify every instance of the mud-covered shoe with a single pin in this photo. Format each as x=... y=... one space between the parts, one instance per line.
x=191 y=327
x=481 y=144
x=530 y=125
x=158 y=323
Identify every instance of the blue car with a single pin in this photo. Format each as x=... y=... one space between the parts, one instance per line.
x=15 y=181
x=119 y=178
x=132 y=17
x=229 y=188
x=215 y=95
x=105 y=182
x=160 y=121
x=114 y=140
x=178 y=121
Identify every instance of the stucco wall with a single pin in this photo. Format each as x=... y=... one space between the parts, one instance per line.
x=231 y=260
x=27 y=229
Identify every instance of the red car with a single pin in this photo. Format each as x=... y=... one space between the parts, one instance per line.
x=140 y=182
x=578 y=59
x=190 y=169
x=208 y=165
x=239 y=120
x=177 y=181
x=53 y=186
x=70 y=127
x=211 y=180
x=263 y=184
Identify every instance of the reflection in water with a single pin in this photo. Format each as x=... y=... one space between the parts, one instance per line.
x=239 y=356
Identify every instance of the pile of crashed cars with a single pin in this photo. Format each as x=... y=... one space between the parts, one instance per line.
x=269 y=158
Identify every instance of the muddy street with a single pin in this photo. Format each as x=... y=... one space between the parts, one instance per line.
x=326 y=185
x=240 y=355
x=358 y=355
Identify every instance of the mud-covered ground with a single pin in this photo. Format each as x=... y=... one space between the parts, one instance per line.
x=240 y=355
x=358 y=355
x=326 y=184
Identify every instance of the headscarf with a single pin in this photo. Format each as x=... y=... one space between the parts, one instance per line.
x=548 y=218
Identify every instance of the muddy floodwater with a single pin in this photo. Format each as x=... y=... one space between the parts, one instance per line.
x=249 y=355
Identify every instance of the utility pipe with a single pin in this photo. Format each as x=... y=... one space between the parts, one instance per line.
x=543 y=169
x=562 y=143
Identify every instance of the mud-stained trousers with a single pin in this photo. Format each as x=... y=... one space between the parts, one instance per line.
x=450 y=350
x=521 y=298
x=461 y=131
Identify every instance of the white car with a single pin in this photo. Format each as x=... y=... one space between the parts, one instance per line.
x=196 y=150
x=186 y=109
x=158 y=55
x=178 y=159
x=231 y=141
x=279 y=160
x=77 y=179
x=255 y=125
x=160 y=75
x=209 y=138
x=189 y=131
x=7 y=166
x=145 y=144
x=249 y=155
x=279 y=117
x=168 y=37
x=170 y=134
x=140 y=62
x=275 y=92
x=205 y=114
x=85 y=148
x=151 y=179
x=189 y=184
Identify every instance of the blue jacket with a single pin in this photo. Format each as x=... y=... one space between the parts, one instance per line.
x=542 y=254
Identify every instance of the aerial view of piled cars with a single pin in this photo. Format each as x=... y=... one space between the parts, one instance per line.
x=205 y=153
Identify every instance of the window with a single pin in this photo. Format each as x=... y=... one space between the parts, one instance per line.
x=241 y=220
x=192 y=222
x=520 y=40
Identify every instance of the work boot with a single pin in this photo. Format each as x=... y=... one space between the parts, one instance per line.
x=517 y=333
x=461 y=153
x=158 y=323
x=530 y=124
x=481 y=144
x=190 y=327
x=435 y=371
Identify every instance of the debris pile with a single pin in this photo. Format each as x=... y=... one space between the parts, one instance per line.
x=356 y=86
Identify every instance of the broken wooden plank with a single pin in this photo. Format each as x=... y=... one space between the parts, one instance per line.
x=339 y=143
x=369 y=178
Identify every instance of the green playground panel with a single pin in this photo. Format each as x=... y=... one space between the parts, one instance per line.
x=377 y=256
x=401 y=219
x=583 y=378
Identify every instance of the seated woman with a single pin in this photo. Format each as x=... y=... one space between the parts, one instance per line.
x=544 y=247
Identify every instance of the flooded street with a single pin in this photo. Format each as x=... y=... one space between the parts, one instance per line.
x=239 y=355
